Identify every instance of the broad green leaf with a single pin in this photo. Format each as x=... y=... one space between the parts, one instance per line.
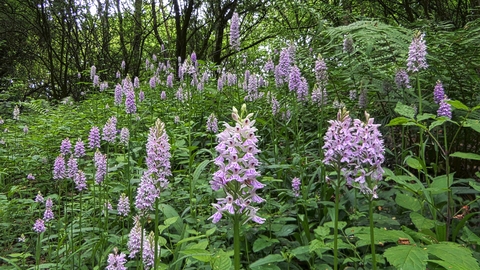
x=316 y=244
x=197 y=251
x=466 y=155
x=457 y=104
x=421 y=222
x=405 y=110
x=418 y=236
x=201 y=245
x=437 y=123
x=221 y=261
x=474 y=185
x=469 y=237
x=322 y=231
x=188 y=239
x=454 y=254
x=161 y=228
x=211 y=231
x=381 y=236
x=286 y=230
x=414 y=163
x=473 y=124
x=407 y=257
x=408 y=202
x=384 y=220
x=405 y=181
x=169 y=212
x=270 y=259
x=302 y=253
x=398 y=121
x=439 y=184
x=263 y=242
x=330 y=224
x=170 y=221
x=161 y=241
x=425 y=116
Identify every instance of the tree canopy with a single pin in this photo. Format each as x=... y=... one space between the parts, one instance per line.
x=47 y=47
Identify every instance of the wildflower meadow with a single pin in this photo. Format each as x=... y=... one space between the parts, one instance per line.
x=355 y=150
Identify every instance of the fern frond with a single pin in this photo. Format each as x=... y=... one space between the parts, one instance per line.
x=38 y=106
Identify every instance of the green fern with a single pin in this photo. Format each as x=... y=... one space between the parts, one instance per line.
x=38 y=106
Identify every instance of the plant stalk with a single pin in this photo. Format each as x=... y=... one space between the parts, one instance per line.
x=372 y=234
x=236 y=241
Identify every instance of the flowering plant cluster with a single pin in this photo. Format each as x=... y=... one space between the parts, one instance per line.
x=237 y=170
x=116 y=261
x=39 y=225
x=441 y=99
x=154 y=179
x=356 y=149
x=139 y=242
x=417 y=54
x=212 y=123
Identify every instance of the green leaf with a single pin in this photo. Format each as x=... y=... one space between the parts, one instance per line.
x=408 y=202
x=195 y=251
x=201 y=245
x=421 y=222
x=384 y=220
x=469 y=237
x=199 y=169
x=221 y=261
x=161 y=241
x=407 y=257
x=322 y=231
x=425 y=116
x=441 y=181
x=457 y=104
x=454 y=255
x=211 y=231
x=417 y=236
x=302 y=253
x=474 y=185
x=466 y=155
x=437 y=123
x=263 y=242
x=473 y=124
x=286 y=230
x=188 y=239
x=272 y=258
x=414 y=163
x=170 y=221
x=331 y=224
x=316 y=245
x=169 y=212
x=398 y=121
x=405 y=110
x=11 y=262
x=382 y=236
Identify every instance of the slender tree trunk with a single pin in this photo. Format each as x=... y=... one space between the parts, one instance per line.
x=408 y=10
x=181 y=27
x=137 y=37
x=155 y=23
x=121 y=34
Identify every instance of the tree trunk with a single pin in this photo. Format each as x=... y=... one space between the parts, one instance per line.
x=137 y=37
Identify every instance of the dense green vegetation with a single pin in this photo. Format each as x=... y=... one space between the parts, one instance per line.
x=335 y=160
